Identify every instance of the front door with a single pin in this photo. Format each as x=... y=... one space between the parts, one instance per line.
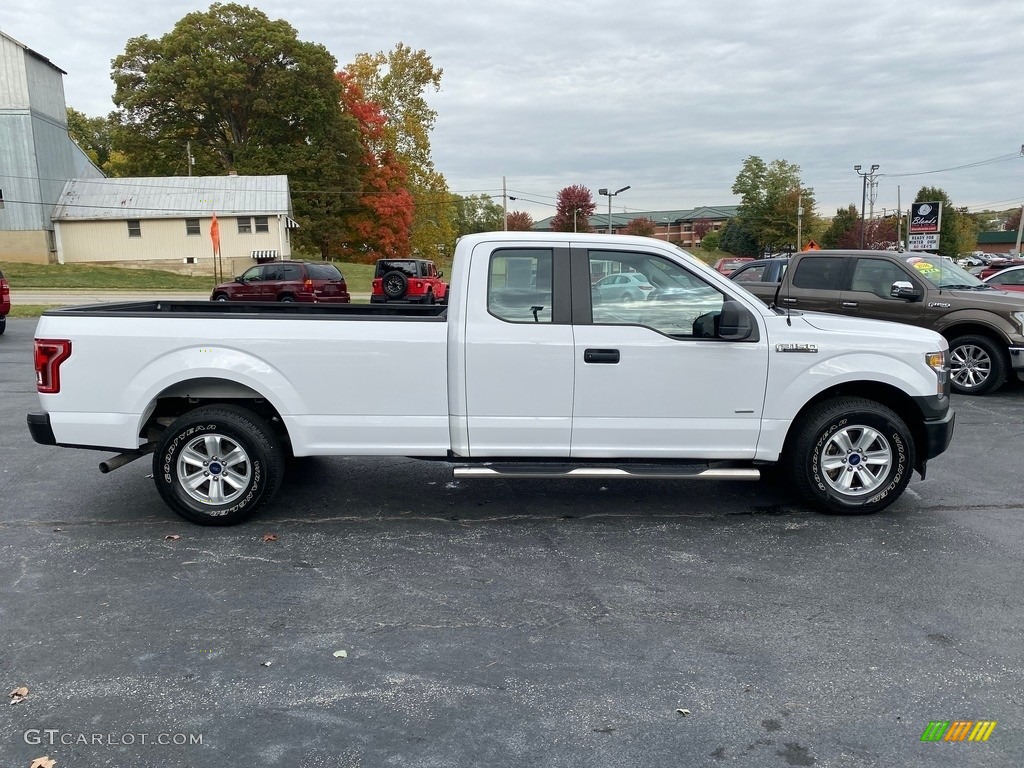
x=653 y=378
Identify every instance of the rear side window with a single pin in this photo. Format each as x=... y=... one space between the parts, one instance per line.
x=820 y=273
x=407 y=267
x=519 y=285
x=324 y=272
x=292 y=272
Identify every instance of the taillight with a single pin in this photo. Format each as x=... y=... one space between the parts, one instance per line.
x=49 y=354
x=5 y=291
x=308 y=285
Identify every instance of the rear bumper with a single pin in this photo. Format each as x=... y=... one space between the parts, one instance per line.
x=40 y=429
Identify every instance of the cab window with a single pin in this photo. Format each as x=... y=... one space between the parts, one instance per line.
x=519 y=285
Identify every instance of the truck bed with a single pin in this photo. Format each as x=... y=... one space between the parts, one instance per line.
x=163 y=308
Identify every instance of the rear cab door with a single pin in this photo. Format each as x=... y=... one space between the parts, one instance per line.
x=815 y=283
x=518 y=353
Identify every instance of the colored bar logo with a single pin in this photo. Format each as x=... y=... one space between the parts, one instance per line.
x=958 y=730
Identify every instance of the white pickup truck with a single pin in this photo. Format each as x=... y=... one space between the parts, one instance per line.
x=557 y=355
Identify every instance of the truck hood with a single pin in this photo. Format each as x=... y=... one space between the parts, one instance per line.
x=863 y=327
x=994 y=300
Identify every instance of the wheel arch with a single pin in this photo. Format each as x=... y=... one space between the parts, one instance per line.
x=976 y=328
x=885 y=394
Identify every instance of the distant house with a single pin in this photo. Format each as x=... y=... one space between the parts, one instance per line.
x=997 y=242
x=165 y=221
x=682 y=227
x=36 y=153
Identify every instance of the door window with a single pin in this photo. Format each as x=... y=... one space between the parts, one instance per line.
x=820 y=273
x=653 y=291
x=519 y=285
x=876 y=276
x=253 y=274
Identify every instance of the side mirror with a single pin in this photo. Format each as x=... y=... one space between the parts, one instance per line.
x=736 y=323
x=239 y=279
x=904 y=289
x=440 y=273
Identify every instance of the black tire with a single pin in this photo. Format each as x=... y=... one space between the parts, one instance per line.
x=286 y=298
x=429 y=298
x=394 y=284
x=3 y=325
x=827 y=457
x=220 y=297
x=252 y=473
x=977 y=365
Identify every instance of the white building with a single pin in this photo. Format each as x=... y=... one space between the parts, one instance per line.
x=165 y=221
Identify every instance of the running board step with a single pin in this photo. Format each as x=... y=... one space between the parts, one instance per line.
x=637 y=472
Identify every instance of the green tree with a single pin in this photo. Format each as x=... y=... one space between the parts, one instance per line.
x=844 y=230
x=738 y=240
x=250 y=97
x=92 y=134
x=477 y=213
x=768 y=207
x=958 y=232
x=712 y=241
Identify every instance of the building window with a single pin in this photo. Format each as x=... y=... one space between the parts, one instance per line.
x=134 y=228
x=191 y=226
x=245 y=226
x=261 y=224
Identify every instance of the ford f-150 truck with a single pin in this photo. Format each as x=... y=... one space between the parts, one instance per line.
x=984 y=326
x=527 y=372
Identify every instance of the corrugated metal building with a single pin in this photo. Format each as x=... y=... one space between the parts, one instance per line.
x=36 y=154
x=165 y=221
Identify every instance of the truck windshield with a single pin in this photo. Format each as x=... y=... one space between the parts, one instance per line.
x=942 y=273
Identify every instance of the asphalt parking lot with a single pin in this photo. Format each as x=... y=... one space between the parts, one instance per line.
x=494 y=623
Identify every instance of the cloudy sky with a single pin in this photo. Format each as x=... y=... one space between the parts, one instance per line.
x=666 y=96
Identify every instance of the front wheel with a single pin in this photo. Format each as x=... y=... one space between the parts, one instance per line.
x=218 y=464
x=976 y=365
x=851 y=456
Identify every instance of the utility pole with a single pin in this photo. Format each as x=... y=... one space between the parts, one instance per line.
x=1020 y=228
x=504 y=201
x=611 y=194
x=863 y=195
x=799 y=222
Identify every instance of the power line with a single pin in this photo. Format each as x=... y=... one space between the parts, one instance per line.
x=990 y=161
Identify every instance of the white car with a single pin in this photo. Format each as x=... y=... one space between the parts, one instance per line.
x=622 y=287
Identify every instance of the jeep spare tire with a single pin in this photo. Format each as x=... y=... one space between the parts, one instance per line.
x=394 y=284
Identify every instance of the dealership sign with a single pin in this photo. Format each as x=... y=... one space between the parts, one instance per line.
x=925 y=217
x=924 y=242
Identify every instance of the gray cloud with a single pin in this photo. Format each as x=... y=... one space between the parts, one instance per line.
x=667 y=97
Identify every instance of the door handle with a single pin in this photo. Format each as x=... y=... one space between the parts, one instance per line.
x=787 y=300
x=849 y=303
x=601 y=356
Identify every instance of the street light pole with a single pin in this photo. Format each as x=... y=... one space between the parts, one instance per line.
x=604 y=191
x=864 y=195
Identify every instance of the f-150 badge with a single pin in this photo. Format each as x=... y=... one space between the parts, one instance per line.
x=812 y=348
x=940 y=304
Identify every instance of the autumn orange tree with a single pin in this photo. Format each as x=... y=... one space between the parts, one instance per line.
x=381 y=216
x=642 y=226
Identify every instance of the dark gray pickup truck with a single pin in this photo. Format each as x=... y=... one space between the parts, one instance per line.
x=984 y=326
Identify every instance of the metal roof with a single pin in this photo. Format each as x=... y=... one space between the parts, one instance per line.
x=172 y=197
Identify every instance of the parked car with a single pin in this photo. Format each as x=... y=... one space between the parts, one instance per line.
x=305 y=281
x=5 y=302
x=727 y=266
x=408 y=280
x=623 y=286
x=998 y=265
x=1008 y=279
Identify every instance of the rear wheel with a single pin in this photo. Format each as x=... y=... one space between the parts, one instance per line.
x=3 y=325
x=218 y=464
x=976 y=365
x=851 y=456
x=285 y=298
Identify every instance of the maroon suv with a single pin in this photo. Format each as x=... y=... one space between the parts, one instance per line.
x=5 y=302
x=314 y=282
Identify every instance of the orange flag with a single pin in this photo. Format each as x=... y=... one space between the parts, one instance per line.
x=215 y=234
